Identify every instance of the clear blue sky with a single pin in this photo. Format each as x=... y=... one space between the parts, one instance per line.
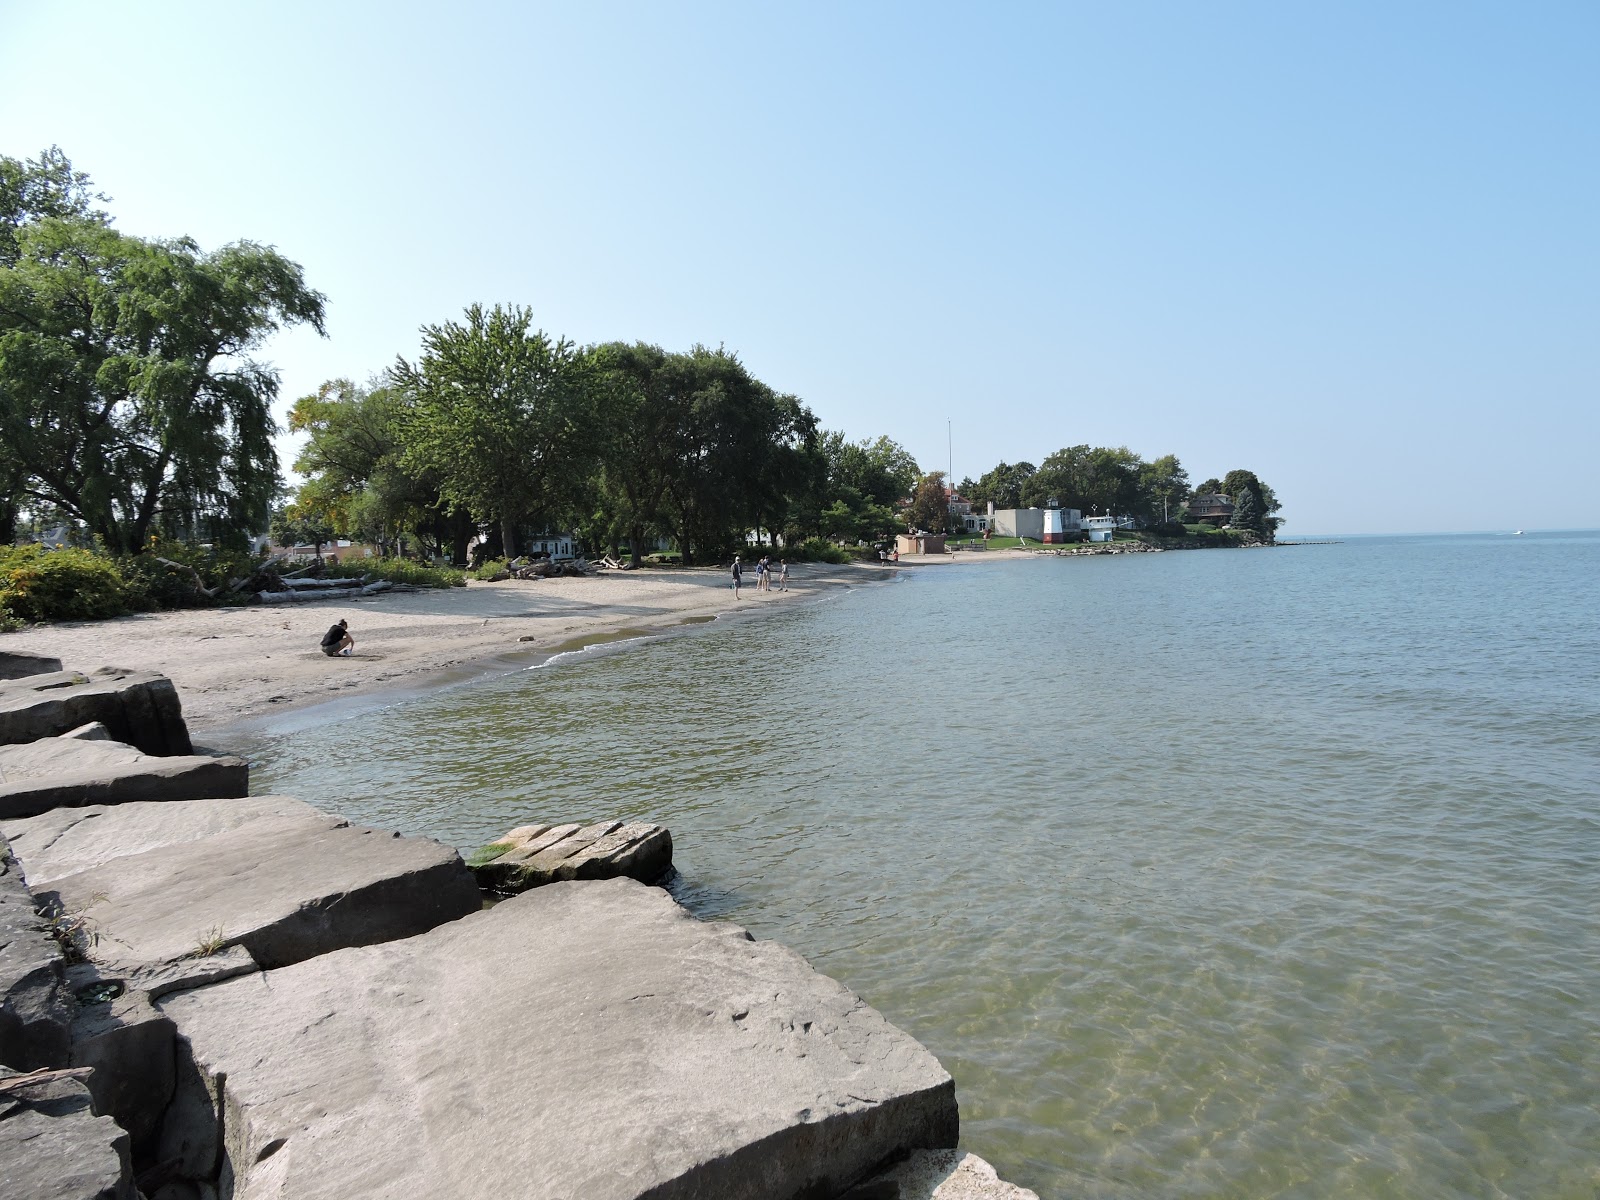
x=1352 y=247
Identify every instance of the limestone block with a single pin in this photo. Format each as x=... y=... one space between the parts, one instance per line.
x=130 y=1046
x=16 y=665
x=69 y=772
x=535 y=855
x=138 y=707
x=284 y=887
x=53 y=1146
x=586 y=1041
x=36 y=1007
x=939 y=1175
x=69 y=840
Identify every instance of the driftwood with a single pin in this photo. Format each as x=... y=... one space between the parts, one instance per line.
x=270 y=567
x=312 y=585
x=16 y=1083
x=199 y=584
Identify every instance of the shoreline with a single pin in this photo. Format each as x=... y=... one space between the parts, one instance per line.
x=239 y=669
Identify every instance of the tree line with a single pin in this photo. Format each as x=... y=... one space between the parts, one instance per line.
x=132 y=408
x=1116 y=481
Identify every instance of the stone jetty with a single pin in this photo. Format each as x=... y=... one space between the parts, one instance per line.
x=244 y=996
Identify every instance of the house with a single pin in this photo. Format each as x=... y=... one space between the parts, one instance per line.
x=958 y=504
x=1211 y=506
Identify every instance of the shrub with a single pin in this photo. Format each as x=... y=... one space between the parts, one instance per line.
x=400 y=570
x=488 y=569
x=816 y=550
x=59 y=585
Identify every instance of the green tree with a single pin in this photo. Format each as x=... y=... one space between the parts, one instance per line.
x=1165 y=487
x=296 y=526
x=1245 y=513
x=129 y=399
x=1089 y=479
x=1267 y=503
x=1004 y=485
x=502 y=416
x=930 y=504
x=356 y=475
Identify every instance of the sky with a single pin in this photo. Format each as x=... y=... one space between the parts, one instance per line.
x=1352 y=247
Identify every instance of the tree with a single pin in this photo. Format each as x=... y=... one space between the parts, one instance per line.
x=356 y=475
x=128 y=396
x=930 y=504
x=1165 y=485
x=1245 y=513
x=295 y=526
x=502 y=416
x=1004 y=485
x=1267 y=503
x=1089 y=479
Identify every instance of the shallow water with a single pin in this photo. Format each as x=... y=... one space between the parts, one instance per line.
x=1262 y=873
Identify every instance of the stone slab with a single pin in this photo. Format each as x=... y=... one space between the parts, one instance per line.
x=534 y=855
x=66 y=841
x=939 y=1175
x=138 y=707
x=284 y=887
x=70 y=771
x=53 y=1147
x=14 y=664
x=36 y=1007
x=583 y=1041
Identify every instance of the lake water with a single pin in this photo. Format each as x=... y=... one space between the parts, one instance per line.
x=1227 y=873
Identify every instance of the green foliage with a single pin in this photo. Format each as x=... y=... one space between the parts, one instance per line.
x=502 y=416
x=129 y=400
x=816 y=550
x=930 y=504
x=1245 y=513
x=398 y=570
x=1004 y=485
x=488 y=569
x=59 y=585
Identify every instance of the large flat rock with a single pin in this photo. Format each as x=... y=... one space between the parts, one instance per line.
x=69 y=840
x=285 y=887
x=586 y=1041
x=36 y=1008
x=138 y=707
x=15 y=664
x=69 y=772
x=53 y=1146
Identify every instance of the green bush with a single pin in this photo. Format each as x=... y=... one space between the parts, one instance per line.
x=59 y=585
x=488 y=569
x=399 y=570
x=817 y=550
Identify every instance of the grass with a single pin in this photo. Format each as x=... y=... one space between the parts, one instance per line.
x=399 y=570
x=487 y=854
x=210 y=942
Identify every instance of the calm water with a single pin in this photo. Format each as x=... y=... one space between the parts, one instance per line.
x=1246 y=874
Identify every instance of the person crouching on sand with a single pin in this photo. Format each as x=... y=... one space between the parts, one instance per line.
x=337 y=642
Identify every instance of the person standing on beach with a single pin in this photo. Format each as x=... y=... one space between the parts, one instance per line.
x=337 y=642
x=762 y=575
x=737 y=576
x=783 y=574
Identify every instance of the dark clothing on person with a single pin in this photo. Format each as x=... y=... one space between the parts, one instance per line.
x=333 y=637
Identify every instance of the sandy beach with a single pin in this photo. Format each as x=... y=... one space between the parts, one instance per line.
x=234 y=664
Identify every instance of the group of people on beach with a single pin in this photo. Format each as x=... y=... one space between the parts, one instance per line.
x=763 y=575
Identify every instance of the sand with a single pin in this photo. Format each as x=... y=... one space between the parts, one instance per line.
x=235 y=664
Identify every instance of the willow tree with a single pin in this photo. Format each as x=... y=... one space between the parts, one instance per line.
x=129 y=397
x=502 y=416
